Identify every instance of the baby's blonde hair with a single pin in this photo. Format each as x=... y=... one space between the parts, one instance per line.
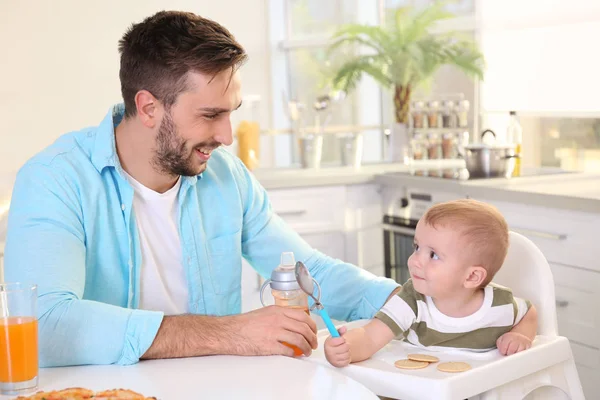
x=481 y=225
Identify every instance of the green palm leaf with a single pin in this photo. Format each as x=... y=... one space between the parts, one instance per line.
x=405 y=54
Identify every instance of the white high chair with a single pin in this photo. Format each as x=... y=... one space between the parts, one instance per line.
x=545 y=371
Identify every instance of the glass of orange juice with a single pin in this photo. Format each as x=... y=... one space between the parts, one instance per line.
x=18 y=338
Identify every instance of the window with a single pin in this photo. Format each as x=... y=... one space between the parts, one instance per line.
x=300 y=31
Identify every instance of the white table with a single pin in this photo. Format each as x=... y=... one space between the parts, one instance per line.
x=215 y=377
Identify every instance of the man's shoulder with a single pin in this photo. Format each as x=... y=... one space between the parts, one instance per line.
x=68 y=151
x=223 y=158
x=223 y=166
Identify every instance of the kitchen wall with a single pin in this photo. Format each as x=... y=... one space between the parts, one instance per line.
x=59 y=64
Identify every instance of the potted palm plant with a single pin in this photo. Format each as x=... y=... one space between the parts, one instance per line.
x=403 y=55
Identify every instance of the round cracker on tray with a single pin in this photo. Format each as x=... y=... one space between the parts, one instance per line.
x=455 y=366
x=410 y=364
x=423 y=357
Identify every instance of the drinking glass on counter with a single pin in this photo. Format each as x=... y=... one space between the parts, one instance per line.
x=18 y=338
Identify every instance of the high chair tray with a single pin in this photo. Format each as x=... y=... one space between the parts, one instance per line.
x=488 y=370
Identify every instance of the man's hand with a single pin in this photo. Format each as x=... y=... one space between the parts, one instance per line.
x=512 y=342
x=337 y=350
x=257 y=333
x=262 y=331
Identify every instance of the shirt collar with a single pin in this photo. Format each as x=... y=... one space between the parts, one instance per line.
x=104 y=153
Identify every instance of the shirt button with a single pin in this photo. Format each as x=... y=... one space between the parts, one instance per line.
x=123 y=207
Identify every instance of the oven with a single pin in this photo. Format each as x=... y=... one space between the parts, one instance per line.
x=398 y=237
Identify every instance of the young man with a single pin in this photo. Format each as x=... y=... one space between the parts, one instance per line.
x=134 y=230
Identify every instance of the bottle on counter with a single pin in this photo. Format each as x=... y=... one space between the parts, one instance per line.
x=248 y=132
x=514 y=135
x=285 y=289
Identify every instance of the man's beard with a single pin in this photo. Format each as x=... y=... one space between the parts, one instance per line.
x=172 y=155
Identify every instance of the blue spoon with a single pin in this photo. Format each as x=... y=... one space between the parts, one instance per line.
x=306 y=284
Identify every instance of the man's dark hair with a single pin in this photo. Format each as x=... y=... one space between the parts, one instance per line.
x=157 y=54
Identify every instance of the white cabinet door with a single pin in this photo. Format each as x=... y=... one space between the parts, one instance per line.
x=250 y=288
x=577 y=298
x=564 y=236
x=587 y=360
x=330 y=244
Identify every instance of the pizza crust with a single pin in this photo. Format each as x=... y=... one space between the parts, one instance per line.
x=83 y=394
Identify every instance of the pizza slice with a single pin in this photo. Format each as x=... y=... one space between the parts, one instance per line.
x=84 y=394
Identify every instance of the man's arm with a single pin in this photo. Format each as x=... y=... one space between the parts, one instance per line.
x=349 y=292
x=259 y=332
x=46 y=246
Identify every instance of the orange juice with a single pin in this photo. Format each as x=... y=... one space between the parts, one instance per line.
x=297 y=351
x=18 y=349
x=248 y=134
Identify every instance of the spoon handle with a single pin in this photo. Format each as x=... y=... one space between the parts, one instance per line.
x=332 y=330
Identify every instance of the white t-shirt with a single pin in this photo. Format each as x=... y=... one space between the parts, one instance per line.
x=163 y=284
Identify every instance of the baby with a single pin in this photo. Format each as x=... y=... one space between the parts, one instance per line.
x=449 y=301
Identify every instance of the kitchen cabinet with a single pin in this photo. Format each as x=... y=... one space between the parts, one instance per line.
x=546 y=41
x=569 y=241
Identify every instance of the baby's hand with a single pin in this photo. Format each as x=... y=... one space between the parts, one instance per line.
x=337 y=351
x=512 y=342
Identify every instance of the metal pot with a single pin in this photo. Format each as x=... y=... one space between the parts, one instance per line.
x=490 y=160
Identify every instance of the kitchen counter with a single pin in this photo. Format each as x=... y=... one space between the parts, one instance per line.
x=212 y=377
x=281 y=178
x=572 y=191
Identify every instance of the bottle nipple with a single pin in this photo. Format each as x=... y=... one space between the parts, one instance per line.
x=287 y=259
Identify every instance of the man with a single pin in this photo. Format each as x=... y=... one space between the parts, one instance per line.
x=134 y=230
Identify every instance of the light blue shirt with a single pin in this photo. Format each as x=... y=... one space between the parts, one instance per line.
x=71 y=230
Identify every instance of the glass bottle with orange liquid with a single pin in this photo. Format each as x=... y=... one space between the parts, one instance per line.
x=18 y=338
x=285 y=289
x=248 y=132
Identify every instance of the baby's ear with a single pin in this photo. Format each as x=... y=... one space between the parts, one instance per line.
x=476 y=275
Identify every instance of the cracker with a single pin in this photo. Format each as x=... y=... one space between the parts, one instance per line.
x=410 y=364
x=455 y=366
x=423 y=357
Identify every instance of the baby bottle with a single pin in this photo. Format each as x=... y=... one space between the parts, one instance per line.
x=285 y=289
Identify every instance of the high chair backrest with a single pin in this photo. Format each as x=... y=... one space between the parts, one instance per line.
x=528 y=274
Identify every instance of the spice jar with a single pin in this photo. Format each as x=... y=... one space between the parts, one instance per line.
x=449 y=143
x=449 y=116
x=463 y=113
x=433 y=120
x=434 y=147
x=418 y=114
x=418 y=147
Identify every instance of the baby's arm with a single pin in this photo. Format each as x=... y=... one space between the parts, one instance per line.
x=521 y=335
x=357 y=344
